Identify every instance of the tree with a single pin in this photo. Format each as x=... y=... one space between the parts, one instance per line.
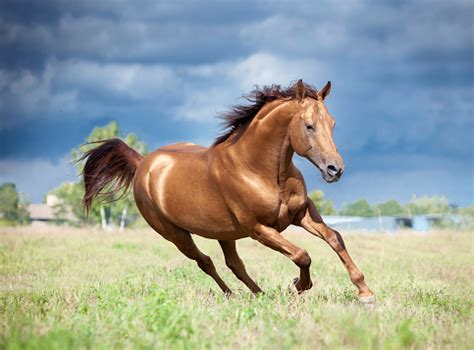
x=13 y=208
x=324 y=207
x=108 y=131
x=467 y=211
x=358 y=208
x=388 y=208
x=70 y=194
x=428 y=205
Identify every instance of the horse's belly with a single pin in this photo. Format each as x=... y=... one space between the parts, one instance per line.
x=200 y=218
x=221 y=235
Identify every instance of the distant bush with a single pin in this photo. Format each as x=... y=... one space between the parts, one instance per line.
x=324 y=207
x=13 y=207
x=429 y=205
x=358 y=208
x=388 y=208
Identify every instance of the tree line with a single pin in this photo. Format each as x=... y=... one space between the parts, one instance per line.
x=417 y=206
x=122 y=212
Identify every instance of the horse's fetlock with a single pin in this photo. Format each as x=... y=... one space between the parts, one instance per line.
x=357 y=277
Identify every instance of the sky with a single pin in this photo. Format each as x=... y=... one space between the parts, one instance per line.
x=401 y=72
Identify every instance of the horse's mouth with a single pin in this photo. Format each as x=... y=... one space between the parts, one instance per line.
x=330 y=179
x=327 y=177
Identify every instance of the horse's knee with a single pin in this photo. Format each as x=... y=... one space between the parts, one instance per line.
x=301 y=258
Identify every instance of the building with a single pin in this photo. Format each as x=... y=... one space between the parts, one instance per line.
x=420 y=223
x=42 y=214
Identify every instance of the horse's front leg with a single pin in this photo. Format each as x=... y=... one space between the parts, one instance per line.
x=313 y=223
x=273 y=239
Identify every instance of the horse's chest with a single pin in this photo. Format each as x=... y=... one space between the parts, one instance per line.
x=254 y=199
x=288 y=209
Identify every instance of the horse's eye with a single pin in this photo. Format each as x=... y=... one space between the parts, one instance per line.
x=309 y=127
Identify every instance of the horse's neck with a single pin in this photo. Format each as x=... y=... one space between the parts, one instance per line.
x=265 y=146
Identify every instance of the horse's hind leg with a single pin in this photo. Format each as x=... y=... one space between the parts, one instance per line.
x=234 y=263
x=183 y=241
x=186 y=245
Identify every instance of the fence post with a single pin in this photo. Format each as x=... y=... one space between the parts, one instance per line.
x=123 y=219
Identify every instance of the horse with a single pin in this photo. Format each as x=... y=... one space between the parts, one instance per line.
x=244 y=185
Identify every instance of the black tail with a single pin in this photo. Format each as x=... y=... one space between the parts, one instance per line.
x=111 y=162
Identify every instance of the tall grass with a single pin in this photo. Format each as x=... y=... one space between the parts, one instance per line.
x=70 y=288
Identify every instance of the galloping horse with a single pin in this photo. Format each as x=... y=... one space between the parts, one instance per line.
x=244 y=185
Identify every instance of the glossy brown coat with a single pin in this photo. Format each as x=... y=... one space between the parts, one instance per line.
x=246 y=185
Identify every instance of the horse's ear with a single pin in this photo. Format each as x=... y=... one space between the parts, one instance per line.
x=325 y=91
x=300 y=90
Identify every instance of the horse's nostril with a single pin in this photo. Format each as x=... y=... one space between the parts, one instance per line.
x=332 y=170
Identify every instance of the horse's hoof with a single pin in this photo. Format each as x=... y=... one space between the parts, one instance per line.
x=292 y=287
x=368 y=301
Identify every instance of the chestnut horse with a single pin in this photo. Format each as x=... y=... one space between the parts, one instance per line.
x=244 y=185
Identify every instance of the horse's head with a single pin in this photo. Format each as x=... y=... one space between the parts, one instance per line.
x=311 y=132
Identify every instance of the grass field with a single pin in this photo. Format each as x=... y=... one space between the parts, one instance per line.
x=69 y=288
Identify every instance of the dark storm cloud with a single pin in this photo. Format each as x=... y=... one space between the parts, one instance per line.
x=142 y=32
x=401 y=71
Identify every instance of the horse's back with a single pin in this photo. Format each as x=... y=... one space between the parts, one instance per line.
x=183 y=147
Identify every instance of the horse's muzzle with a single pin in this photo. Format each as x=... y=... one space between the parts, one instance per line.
x=332 y=173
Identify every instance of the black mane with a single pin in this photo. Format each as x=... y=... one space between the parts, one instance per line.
x=240 y=115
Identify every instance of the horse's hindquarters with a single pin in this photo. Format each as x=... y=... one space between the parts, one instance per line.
x=175 y=186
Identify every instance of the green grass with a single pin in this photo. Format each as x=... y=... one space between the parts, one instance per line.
x=68 y=288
